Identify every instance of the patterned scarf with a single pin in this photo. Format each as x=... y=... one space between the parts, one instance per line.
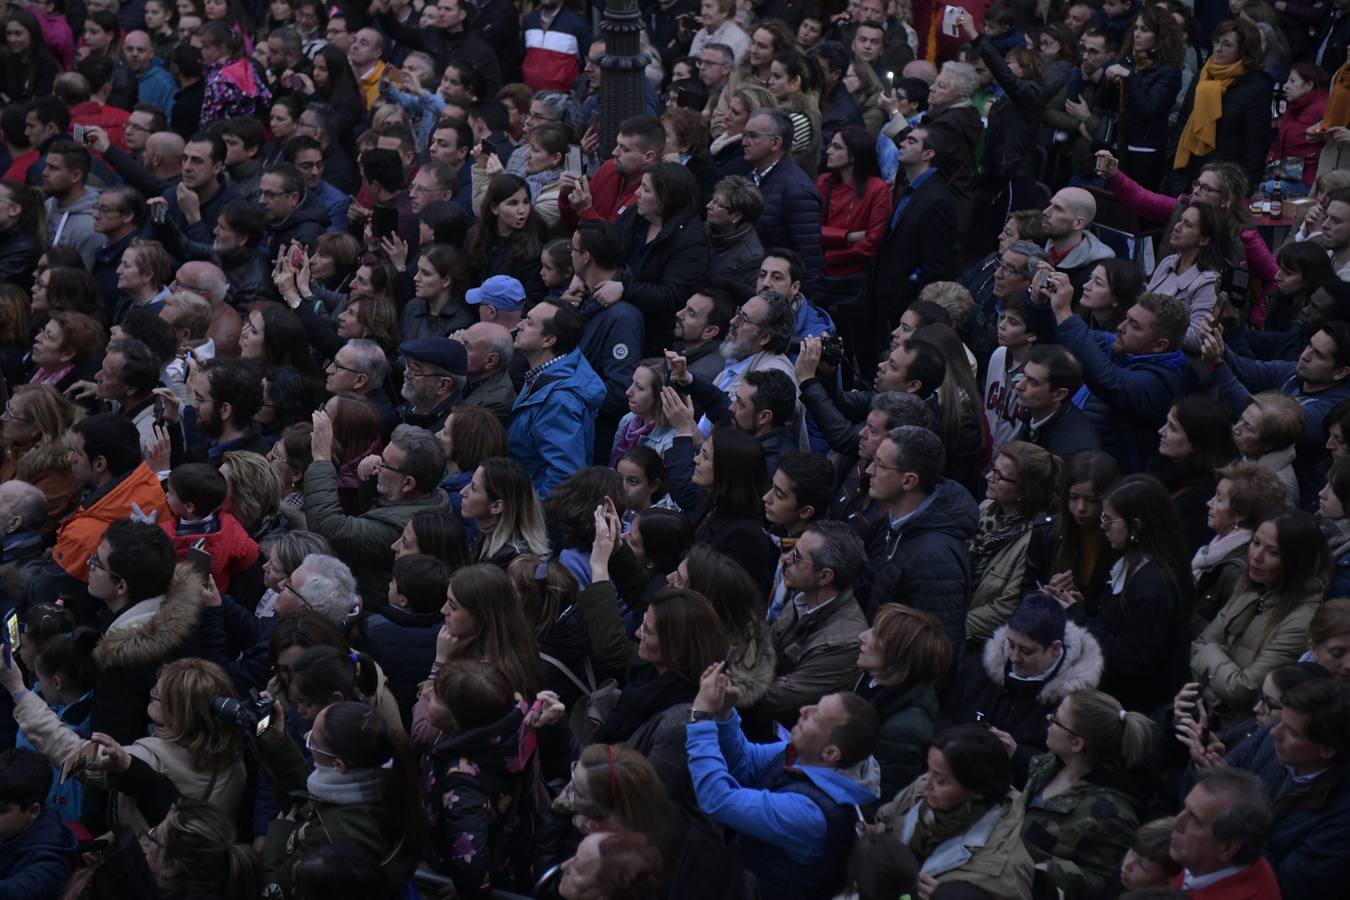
x=934 y=826
x=996 y=529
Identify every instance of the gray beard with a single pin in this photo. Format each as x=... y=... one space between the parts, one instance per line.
x=733 y=350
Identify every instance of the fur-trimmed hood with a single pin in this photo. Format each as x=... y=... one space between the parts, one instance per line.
x=1080 y=669
x=753 y=672
x=41 y=458
x=153 y=629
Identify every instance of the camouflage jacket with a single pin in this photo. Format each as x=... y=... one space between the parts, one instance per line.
x=1082 y=834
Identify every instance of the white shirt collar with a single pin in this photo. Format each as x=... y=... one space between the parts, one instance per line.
x=1190 y=883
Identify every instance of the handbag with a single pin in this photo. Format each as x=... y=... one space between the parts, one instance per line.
x=595 y=704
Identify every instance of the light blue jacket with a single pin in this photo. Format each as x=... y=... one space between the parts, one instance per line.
x=552 y=430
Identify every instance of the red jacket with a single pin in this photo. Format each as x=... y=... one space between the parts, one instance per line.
x=232 y=550
x=845 y=211
x=610 y=196
x=109 y=118
x=1256 y=882
x=1291 y=133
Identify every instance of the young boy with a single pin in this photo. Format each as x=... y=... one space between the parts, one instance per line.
x=401 y=637
x=36 y=848
x=1148 y=862
x=195 y=494
x=802 y=489
x=1015 y=341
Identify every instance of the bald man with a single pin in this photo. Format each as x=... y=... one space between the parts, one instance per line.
x=208 y=280
x=159 y=168
x=364 y=55
x=489 y=348
x=1073 y=249
x=921 y=69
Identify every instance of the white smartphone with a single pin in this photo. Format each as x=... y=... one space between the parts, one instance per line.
x=950 y=14
x=574 y=158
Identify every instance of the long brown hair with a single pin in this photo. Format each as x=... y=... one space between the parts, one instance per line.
x=688 y=630
x=623 y=786
x=187 y=687
x=503 y=637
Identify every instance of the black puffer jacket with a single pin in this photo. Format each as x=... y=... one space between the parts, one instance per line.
x=18 y=257
x=246 y=271
x=502 y=260
x=1014 y=120
x=659 y=276
x=304 y=224
x=403 y=643
x=1243 y=133
x=925 y=563
x=1149 y=95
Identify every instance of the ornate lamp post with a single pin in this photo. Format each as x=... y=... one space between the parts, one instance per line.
x=621 y=88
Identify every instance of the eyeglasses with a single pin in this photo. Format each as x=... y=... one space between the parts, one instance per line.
x=1199 y=187
x=876 y=461
x=285 y=585
x=1269 y=704
x=1106 y=521
x=794 y=558
x=337 y=365
x=533 y=116
x=107 y=210
x=385 y=467
x=747 y=135
x=997 y=477
x=271 y=195
x=132 y=126
x=9 y=415
x=309 y=745
x=740 y=316
x=96 y=563
x=1007 y=269
x=1050 y=718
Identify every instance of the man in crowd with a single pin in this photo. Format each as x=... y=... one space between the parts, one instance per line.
x=411 y=466
x=1073 y=249
x=500 y=300
x=1050 y=379
x=293 y=213
x=318 y=121
x=552 y=430
x=119 y=216
x=224 y=397
x=555 y=39
x=1218 y=835
x=208 y=280
x=715 y=65
x=700 y=326
x=640 y=144
x=488 y=350
x=360 y=367
x=194 y=205
x=244 y=138
x=434 y=371
x=791 y=216
x=70 y=200
x=306 y=154
x=154 y=84
x=452 y=143
x=1335 y=234
x=126 y=382
x=368 y=66
x=1075 y=120
x=919 y=556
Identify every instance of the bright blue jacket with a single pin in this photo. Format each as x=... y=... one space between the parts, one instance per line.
x=722 y=761
x=553 y=422
x=155 y=85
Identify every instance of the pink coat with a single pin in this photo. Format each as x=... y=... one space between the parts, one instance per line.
x=56 y=34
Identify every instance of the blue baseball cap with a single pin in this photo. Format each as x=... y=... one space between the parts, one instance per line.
x=499 y=292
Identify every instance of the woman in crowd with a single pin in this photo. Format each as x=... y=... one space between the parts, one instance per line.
x=723 y=494
x=614 y=788
x=437 y=308
x=548 y=595
x=67 y=288
x=1142 y=87
x=855 y=210
x=734 y=248
x=1226 y=114
x=1109 y=291
x=364 y=790
x=326 y=274
x=1329 y=637
x=1304 y=269
x=555 y=266
x=284 y=122
x=282 y=556
x=726 y=149
x=27 y=67
x=471 y=434
x=1265 y=434
x=1264 y=624
x=961 y=421
x=1292 y=159
x=665 y=248
x=324 y=675
x=687 y=144
x=484 y=620
x=1074 y=553
x=289 y=399
x=508 y=236
x=102 y=37
x=1336 y=430
x=570 y=515
x=1020 y=498
x=1058 y=47
x=1333 y=501
x=254 y=493
x=273 y=336
x=644 y=483
x=795 y=82
x=356 y=435
x=500 y=500
x=290 y=456
x=1143 y=621
x=645 y=424
x=333 y=82
x=901 y=657
x=1196 y=440
x=436 y=533
x=740 y=608
x=864 y=86
x=1245 y=494
x=35 y=423
x=23 y=233
x=1080 y=798
x=543 y=166
x=680 y=636
x=967 y=789
x=1199 y=242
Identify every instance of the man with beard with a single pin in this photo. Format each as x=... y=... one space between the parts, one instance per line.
x=641 y=142
x=434 y=371
x=223 y=397
x=360 y=367
x=406 y=476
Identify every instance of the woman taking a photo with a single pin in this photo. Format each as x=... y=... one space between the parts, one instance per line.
x=857 y=206
x=437 y=308
x=1079 y=805
x=966 y=790
x=500 y=500
x=1246 y=493
x=1199 y=242
x=901 y=658
x=35 y=423
x=645 y=424
x=508 y=236
x=1264 y=624
x=1194 y=442
x=665 y=249
x=1020 y=498
x=1143 y=621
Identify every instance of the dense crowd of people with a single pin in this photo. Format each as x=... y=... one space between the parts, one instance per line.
x=913 y=461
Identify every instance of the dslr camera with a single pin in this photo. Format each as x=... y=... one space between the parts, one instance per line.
x=253 y=715
x=831 y=349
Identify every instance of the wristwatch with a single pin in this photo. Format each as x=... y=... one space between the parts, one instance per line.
x=701 y=715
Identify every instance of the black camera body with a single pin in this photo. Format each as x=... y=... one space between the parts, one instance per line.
x=253 y=715
x=831 y=349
